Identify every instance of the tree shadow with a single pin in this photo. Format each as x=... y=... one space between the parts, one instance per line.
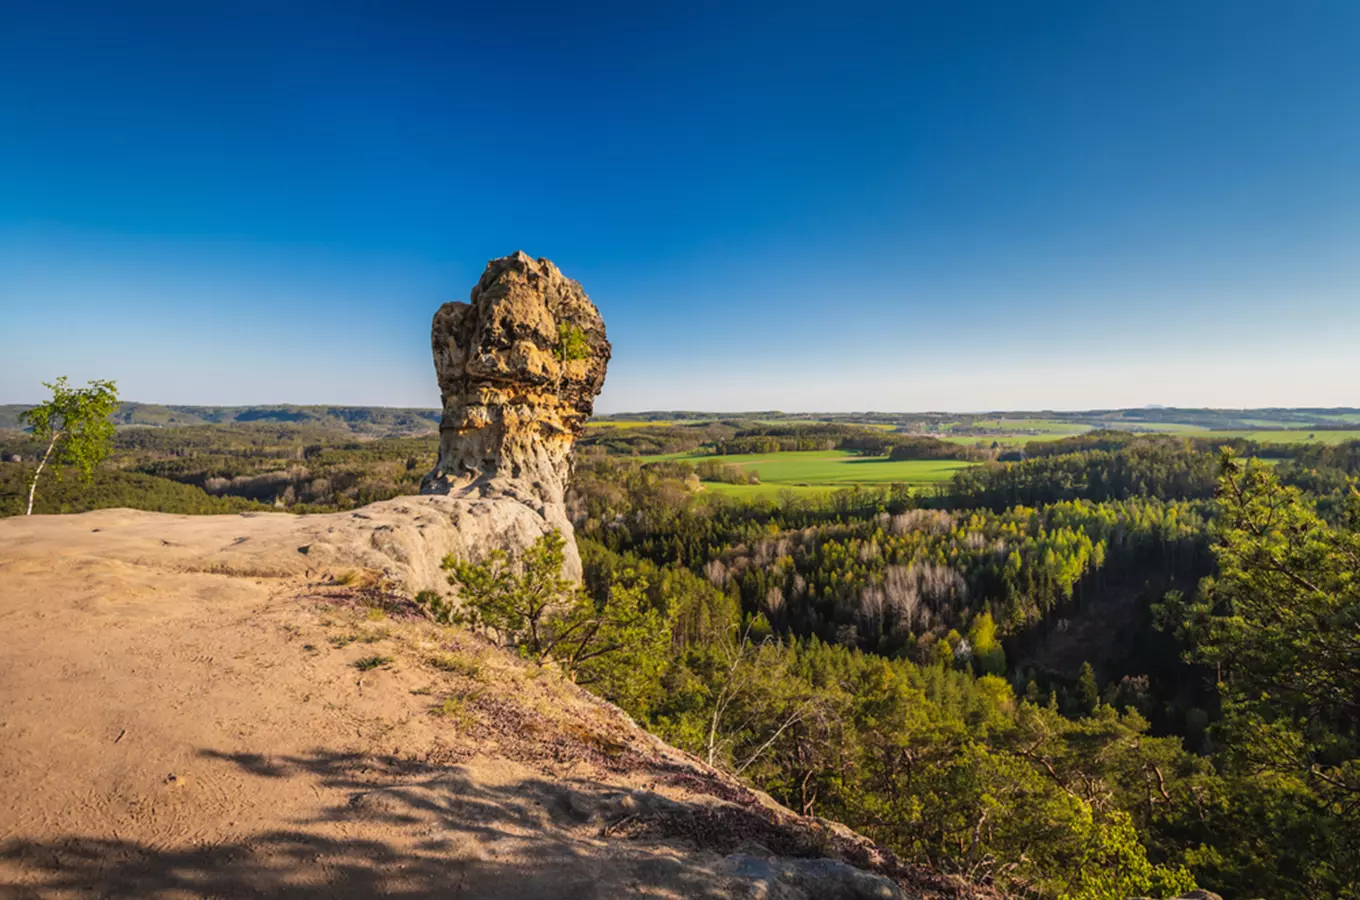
x=443 y=832
x=440 y=830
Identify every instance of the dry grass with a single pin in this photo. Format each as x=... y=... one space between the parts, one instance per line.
x=458 y=664
x=376 y=661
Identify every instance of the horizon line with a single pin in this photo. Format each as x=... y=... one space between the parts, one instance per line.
x=681 y=412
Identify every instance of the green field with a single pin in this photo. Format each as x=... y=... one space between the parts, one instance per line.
x=1262 y=436
x=1161 y=428
x=1004 y=439
x=1045 y=426
x=824 y=469
x=1011 y=432
x=629 y=423
x=769 y=489
x=1293 y=436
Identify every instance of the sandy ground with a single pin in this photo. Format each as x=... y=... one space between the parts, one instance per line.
x=171 y=726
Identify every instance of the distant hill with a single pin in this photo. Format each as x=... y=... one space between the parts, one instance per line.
x=367 y=420
x=382 y=421
x=1150 y=418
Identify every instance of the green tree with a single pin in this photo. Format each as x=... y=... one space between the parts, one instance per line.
x=75 y=424
x=991 y=658
x=1113 y=864
x=617 y=644
x=1088 y=692
x=1279 y=622
x=512 y=599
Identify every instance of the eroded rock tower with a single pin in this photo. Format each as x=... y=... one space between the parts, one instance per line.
x=519 y=367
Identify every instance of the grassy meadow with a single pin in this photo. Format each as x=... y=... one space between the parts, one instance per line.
x=1045 y=427
x=1005 y=439
x=825 y=469
x=1291 y=436
x=632 y=423
x=1263 y=436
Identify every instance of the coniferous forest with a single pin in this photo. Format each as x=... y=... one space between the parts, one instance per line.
x=1135 y=662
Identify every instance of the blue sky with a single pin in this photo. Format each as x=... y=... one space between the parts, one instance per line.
x=839 y=206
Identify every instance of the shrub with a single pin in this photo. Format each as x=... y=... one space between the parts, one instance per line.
x=571 y=343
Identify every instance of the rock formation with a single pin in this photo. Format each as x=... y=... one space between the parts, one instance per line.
x=519 y=367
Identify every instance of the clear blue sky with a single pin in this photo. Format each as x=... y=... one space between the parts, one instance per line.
x=906 y=205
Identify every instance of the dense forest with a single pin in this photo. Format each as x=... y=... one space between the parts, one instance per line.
x=368 y=420
x=1109 y=665
x=1027 y=694
x=221 y=468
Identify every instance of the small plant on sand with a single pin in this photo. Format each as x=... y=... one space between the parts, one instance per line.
x=466 y=666
x=369 y=663
x=453 y=708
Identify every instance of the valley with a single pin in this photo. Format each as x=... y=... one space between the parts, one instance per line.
x=1020 y=587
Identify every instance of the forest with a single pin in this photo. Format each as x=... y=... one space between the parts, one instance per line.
x=1095 y=678
x=1105 y=665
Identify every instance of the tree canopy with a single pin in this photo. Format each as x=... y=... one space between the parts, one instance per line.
x=74 y=423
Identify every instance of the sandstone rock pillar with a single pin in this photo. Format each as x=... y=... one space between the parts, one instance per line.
x=519 y=367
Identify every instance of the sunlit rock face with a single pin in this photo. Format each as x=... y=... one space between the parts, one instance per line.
x=519 y=367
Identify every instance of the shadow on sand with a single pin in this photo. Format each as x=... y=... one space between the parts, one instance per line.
x=445 y=833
